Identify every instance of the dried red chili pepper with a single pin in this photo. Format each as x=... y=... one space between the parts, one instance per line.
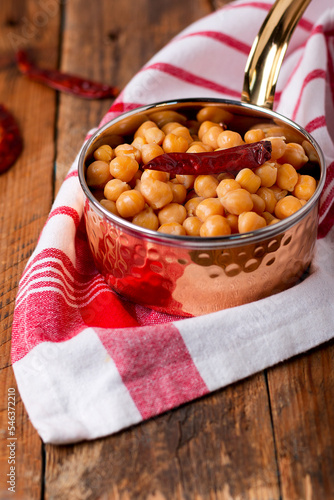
x=11 y=142
x=64 y=82
x=230 y=160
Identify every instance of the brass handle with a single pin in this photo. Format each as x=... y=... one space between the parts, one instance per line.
x=268 y=50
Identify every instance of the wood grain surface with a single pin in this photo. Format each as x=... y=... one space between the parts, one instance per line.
x=268 y=437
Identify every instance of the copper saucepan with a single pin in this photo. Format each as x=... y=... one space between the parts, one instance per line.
x=185 y=275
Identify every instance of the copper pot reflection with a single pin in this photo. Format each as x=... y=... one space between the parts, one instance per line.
x=185 y=275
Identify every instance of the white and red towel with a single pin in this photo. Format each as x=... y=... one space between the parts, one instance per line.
x=87 y=363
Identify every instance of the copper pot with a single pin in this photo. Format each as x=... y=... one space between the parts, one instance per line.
x=185 y=275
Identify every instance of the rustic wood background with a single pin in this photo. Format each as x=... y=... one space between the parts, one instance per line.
x=268 y=437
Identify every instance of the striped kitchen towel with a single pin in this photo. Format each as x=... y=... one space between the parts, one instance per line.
x=88 y=363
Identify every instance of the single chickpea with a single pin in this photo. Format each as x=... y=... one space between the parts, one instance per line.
x=295 y=155
x=183 y=132
x=226 y=185
x=138 y=143
x=130 y=203
x=196 y=148
x=173 y=212
x=204 y=127
x=206 y=147
x=150 y=151
x=146 y=218
x=206 y=185
x=186 y=180
x=156 y=193
x=269 y=198
x=278 y=192
x=114 y=188
x=155 y=135
x=123 y=168
x=140 y=132
x=250 y=221
x=161 y=118
x=229 y=139
x=267 y=173
x=211 y=136
x=287 y=206
x=232 y=219
x=259 y=204
x=248 y=180
x=215 y=225
x=170 y=126
x=109 y=205
x=104 y=153
x=214 y=114
x=209 y=206
x=98 y=174
x=237 y=201
x=192 y=204
x=254 y=135
x=305 y=187
x=155 y=174
x=268 y=217
x=278 y=147
x=287 y=177
x=175 y=144
x=128 y=150
x=179 y=192
x=172 y=228
x=192 y=225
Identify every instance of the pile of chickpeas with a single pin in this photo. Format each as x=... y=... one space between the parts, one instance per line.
x=199 y=205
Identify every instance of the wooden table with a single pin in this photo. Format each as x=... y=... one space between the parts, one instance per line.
x=268 y=437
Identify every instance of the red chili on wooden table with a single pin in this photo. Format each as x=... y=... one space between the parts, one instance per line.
x=230 y=160
x=64 y=82
x=11 y=142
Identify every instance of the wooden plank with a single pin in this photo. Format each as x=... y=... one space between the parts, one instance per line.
x=217 y=448
x=25 y=199
x=302 y=395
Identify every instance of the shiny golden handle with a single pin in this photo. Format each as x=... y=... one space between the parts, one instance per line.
x=268 y=50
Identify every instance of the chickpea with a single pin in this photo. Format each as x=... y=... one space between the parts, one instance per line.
x=156 y=193
x=172 y=228
x=211 y=136
x=183 y=132
x=268 y=217
x=150 y=151
x=237 y=201
x=215 y=225
x=192 y=204
x=155 y=174
x=186 y=180
x=123 y=168
x=98 y=174
x=226 y=185
x=175 y=144
x=224 y=175
x=109 y=205
x=267 y=173
x=305 y=187
x=146 y=218
x=206 y=185
x=250 y=221
x=278 y=147
x=287 y=206
x=104 y=153
x=128 y=150
x=179 y=192
x=192 y=225
x=161 y=118
x=130 y=203
x=140 y=132
x=209 y=206
x=295 y=155
x=206 y=147
x=229 y=139
x=254 y=135
x=173 y=212
x=204 y=127
x=278 y=192
x=138 y=142
x=232 y=219
x=114 y=188
x=287 y=177
x=259 y=204
x=155 y=135
x=170 y=126
x=214 y=114
x=196 y=148
x=248 y=180
x=269 y=198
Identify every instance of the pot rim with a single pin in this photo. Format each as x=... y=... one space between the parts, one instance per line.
x=198 y=242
